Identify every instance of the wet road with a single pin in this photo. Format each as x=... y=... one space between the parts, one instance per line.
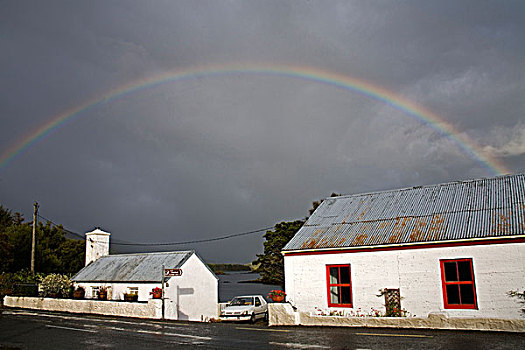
x=26 y=329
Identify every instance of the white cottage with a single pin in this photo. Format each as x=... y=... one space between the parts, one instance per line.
x=191 y=295
x=455 y=249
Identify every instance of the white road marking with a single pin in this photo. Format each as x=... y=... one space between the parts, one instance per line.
x=84 y=319
x=72 y=329
x=396 y=335
x=300 y=346
x=159 y=333
x=174 y=334
x=264 y=329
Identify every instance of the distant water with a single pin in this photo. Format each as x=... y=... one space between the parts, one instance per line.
x=229 y=286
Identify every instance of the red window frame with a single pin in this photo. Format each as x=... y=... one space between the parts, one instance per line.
x=459 y=283
x=339 y=285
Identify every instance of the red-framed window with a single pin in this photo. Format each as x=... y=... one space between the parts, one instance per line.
x=459 y=287
x=339 y=285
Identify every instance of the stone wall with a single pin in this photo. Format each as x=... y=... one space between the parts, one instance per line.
x=283 y=314
x=151 y=309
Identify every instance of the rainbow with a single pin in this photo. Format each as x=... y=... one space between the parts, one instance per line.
x=469 y=147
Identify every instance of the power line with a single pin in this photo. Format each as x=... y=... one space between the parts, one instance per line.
x=197 y=241
x=64 y=229
x=169 y=243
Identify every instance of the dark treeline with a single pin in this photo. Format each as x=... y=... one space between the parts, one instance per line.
x=229 y=267
x=54 y=252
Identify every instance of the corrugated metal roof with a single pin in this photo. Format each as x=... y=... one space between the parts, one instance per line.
x=145 y=267
x=452 y=211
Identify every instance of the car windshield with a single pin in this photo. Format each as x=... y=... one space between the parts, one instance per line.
x=241 y=301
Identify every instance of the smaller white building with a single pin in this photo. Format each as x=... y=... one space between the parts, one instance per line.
x=190 y=295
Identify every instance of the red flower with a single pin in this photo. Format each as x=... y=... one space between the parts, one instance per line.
x=155 y=290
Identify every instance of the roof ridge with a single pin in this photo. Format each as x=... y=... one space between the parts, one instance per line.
x=150 y=253
x=450 y=183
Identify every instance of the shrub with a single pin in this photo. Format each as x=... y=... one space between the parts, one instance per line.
x=519 y=295
x=55 y=284
x=7 y=285
x=21 y=283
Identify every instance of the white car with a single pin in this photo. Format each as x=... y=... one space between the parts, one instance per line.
x=245 y=308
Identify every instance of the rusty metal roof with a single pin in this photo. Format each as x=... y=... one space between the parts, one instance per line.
x=144 y=267
x=473 y=209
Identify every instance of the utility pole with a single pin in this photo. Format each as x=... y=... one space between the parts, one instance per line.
x=163 y=291
x=33 y=241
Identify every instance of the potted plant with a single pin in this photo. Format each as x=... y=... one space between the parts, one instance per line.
x=131 y=296
x=156 y=293
x=103 y=293
x=277 y=295
x=79 y=293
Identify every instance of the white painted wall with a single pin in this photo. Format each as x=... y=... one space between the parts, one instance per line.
x=194 y=295
x=498 y=269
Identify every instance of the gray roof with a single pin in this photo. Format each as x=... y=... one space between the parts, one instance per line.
x=473 y=209
x=144 y=267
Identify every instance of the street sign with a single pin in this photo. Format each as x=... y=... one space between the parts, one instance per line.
x=172 y=272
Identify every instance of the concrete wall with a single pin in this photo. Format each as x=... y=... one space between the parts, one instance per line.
x=282 y=314
x=151 y=309
x=498 y=269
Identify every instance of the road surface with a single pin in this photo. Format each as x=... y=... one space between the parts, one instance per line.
x=27 y=329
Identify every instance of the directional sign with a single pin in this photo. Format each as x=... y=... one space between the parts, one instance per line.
x=172 y=272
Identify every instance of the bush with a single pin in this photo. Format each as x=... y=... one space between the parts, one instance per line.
x=56 y=285
x=21 y=283
x=520 y=296
x=7 y=285
x=25 y=290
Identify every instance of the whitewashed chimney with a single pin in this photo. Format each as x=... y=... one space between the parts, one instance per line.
x=97 y=244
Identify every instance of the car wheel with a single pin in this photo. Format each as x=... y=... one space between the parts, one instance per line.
x=252 y=319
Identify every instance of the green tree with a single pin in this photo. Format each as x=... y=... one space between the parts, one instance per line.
x=72 y=256
x=6 y=258
x=10 y=225
x=271 y=263
x=54 y=252
x=19 y=241
x=7 y=218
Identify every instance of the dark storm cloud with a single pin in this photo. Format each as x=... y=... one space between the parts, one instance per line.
x=213 y=156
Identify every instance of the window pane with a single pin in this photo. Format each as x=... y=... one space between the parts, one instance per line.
x=346 y=295
x=453 y=294
x=467 y=294
x=334 y=295
x=450 y=271
x=465 y=274
x=345 y=274
x=334 y=275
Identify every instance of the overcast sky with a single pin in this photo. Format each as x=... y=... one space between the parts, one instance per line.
x=225 y=154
